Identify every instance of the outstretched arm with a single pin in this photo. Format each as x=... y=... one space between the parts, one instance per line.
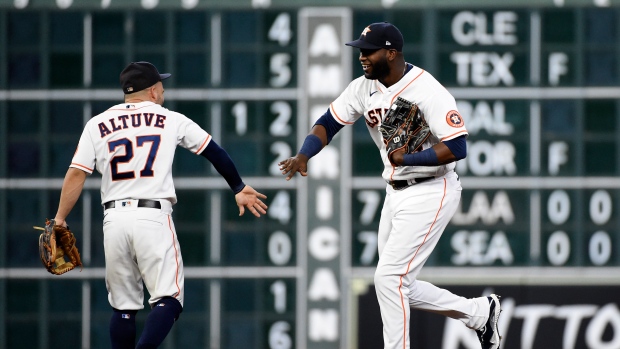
x=245 y=195
x=321 y=134
x=313 y=144
x=70 y=193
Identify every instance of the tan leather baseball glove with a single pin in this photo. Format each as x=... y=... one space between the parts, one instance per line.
x=57 y=248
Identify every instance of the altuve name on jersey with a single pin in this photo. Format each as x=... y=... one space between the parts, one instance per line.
x=122 y=122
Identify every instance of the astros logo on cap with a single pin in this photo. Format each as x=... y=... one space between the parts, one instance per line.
x=366 y=30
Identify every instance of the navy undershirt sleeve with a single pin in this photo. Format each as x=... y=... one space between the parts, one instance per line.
x=224 y=165
x=458 y=147
x=331 y=125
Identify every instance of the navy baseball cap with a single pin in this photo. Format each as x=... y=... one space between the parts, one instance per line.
x=379 y=35
x=138 y=76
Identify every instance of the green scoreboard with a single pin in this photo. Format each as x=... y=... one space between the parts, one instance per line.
x=537 y=82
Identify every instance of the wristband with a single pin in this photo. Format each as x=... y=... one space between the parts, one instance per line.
x=312 y=146
x=426 y=157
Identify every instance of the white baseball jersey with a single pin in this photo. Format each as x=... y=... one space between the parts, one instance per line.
x=372 y=99
x=412 y=219
x=133 y=145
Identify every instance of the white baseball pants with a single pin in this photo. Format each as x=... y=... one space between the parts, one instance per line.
x=141 y=244
x=412 y=221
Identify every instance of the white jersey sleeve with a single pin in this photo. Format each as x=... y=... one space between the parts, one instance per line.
x=439 y=109
x=350 y=105
x=191 y=136
x=85 y=157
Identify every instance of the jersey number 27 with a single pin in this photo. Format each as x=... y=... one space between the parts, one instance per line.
x=147 y=171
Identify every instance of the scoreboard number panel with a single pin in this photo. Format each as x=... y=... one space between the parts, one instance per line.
x=260 y=134
x=579 y=228
x=366 y=212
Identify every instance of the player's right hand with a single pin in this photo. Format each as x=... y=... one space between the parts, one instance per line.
x=290 y=166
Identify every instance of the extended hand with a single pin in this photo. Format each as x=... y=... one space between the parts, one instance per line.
x=290 y=166
x=249 y=198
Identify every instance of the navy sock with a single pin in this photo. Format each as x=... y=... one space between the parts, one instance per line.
x=159 y=323
x=123 y=329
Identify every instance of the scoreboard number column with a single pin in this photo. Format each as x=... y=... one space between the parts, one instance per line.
x=280 y=295
x=366 y=214
x=580 y=236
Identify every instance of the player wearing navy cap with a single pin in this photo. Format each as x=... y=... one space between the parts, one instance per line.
x=422 y=192
x=132 y=145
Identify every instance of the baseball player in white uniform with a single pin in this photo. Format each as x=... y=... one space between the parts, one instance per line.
x=132 y=145
x=422 y=193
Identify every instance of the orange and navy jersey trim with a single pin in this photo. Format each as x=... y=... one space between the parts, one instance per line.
x=203 y=145
x=410 y=82
x=82 y=167
x=331 y=107
x=454 y=135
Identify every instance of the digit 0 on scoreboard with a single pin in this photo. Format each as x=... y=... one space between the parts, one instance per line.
x=266 y=242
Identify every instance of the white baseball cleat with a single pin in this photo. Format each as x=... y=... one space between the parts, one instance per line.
x=489 y=335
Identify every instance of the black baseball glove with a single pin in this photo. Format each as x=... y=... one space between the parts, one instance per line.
x=404 y=127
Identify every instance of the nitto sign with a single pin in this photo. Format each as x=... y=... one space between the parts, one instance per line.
x=570 y=326
x=567 y=317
